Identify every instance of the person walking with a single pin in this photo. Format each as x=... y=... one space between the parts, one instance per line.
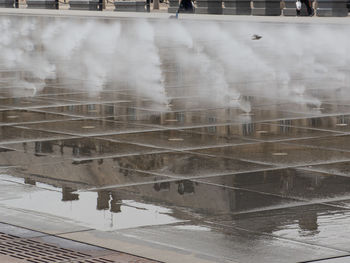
x=307 y=3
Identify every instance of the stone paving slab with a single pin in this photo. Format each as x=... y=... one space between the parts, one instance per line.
x=21 y=116
x=326 y=109
x=187 y=165
x=29 y=102
x=336 y=123
x=261 y=132
x=188 y=139
x=89 y=127
x=38 y=221
x=84 y=148
x=289 y=183
x=193 y=117
x=115 y=97
x=13 y=158
x=20 y=134
x=338 y=168
x=311 y=224
x=87 y=174
x=332 y=260
x=281 y=154
x=340 y=143
x=18 y=232
x=86 y=110
x=202 y=239
x=156 y=250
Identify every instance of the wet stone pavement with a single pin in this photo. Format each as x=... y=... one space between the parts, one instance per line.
x=200 y=182
x=94 y=174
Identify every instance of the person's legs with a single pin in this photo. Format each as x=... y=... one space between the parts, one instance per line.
x=308 y=7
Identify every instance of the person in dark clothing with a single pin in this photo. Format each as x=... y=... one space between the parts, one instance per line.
x=186 y=6
x=307 y=3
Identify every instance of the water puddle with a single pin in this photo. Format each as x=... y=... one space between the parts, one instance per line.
x=102 y=211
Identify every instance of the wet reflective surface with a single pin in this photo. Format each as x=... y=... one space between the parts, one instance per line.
x=226 y=184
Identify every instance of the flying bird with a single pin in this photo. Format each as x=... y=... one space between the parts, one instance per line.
x=256 y=37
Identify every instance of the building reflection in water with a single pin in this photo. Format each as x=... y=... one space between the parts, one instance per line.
x=68 y=194
x=186 y=193
x=161 y=186
x=116 y=203
x=103 y=198
x=43 y=147
x=29 y=181
x=285 y=127
x=208 y=202
x=185 y=187
x=108 y=200
x=308 y=224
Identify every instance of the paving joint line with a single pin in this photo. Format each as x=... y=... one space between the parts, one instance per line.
x=279 y=237
x=191 y=251
x=294 y=205
x=323 y=259
x=26 y=228
x=307 y=128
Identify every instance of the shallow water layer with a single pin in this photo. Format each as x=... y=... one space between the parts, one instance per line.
x=165 y=135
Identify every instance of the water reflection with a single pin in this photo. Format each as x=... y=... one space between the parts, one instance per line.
x=119 y=159
x=103 y=200
x=68 y=194
x=136 y=165
x=29 y=181
x=308 y=224
x=185 y=187
x=109 y=201
x=102 y=210
x=230 y=194
x=300 y=222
